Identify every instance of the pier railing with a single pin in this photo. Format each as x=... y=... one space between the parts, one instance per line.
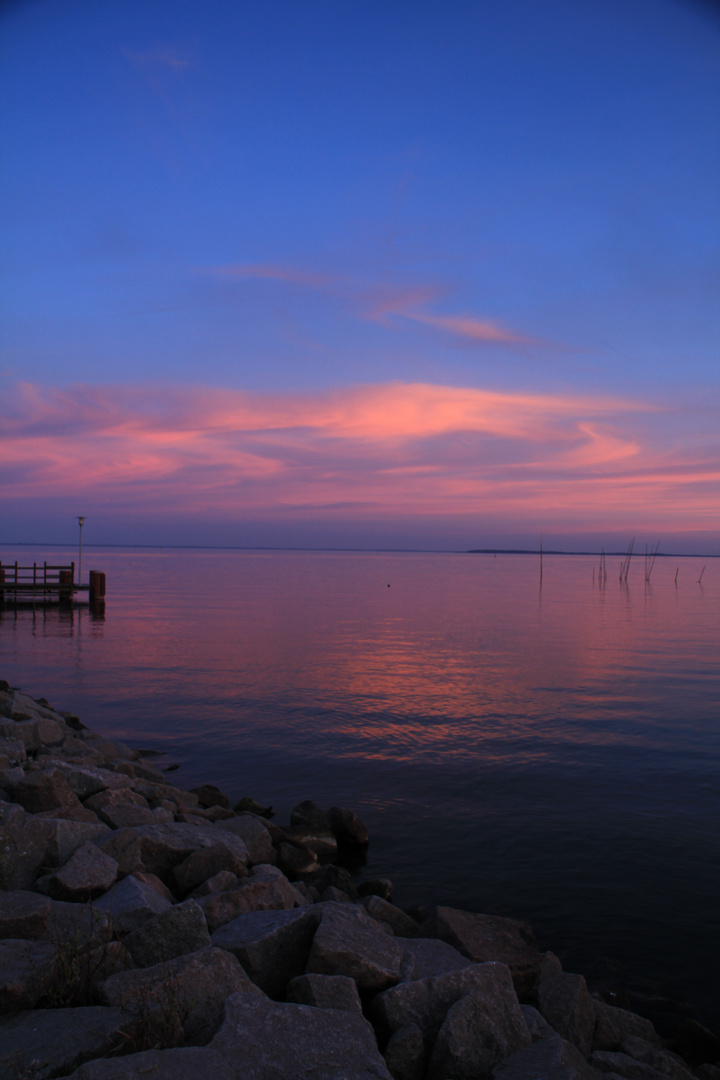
x=43 y=580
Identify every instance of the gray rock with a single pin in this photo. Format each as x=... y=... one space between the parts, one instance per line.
x=162 y=847
x=480 y=1029
x=23 y=915
x=87 y=873
x=308 y=815
x=52 y=1042
x=295 y=859
x=88 y=780
x=382 y=887
x=132 y=903
x=63 y=838
x=23 y=840
x=349 y=942
x=118 y=796
x=220 y=882
x=706 y=1071
x=325 y=992
x=405 y=1053
x=565 y=1003
x=550 y=966
x=347 y=826
x=425 y=1002
x=126 y=816
x=664 y=1061
x=256 y=837
x=282 y=1041
x=25 y=730
x=547 y=1059
x=25 y=972
x=185 y=1063
x=320 y=841
x=38 y=791
x=488 y=937
x=537 y=1025
x=209 y=795
x=383 y=911
x=12 y=752
x=612 y=1025
x=195 y=986
x=272 y=946
x=208 y=861
x=179 y=930
x=265 y=889
x=124 y=846
x=608 y=1061
x=423 y=957
x=335 y=896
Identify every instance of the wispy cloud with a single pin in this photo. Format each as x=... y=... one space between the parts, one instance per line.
x=393 y=450
x=390 y=305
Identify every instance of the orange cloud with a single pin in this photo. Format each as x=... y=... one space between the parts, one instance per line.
x=385 y=450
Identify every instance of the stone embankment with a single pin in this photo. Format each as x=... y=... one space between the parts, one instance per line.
x=147 y=931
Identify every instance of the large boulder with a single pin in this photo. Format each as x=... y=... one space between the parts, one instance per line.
x=256 y=837
x=64 y=837
x=347 y=827
x=52 y=1042
x=480 y=1029
x=184 y=1063
x=163 y=847
x=132 y=903
x=208 y=861
x=265 y=889
x=38 y=791
x=23 y=840
x=429 y=956
x=383 y=911
x=25 y=972
x=194 y=986
x=425 y=1002
x=619 y=1064
x=565 y=1003
x=272 y=946
x=405 y=1053
x=325 y=992
x=179 y=930
x=664 y=1061
x=488 y=937
x=349 y=942
x=23 y=915
x=547 y=1058
x=612 y=1025
x=87 y=873
x=283 y=1040
x=80 y=926
x=87 y=780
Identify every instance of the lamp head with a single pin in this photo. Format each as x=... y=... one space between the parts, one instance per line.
x=81 y=521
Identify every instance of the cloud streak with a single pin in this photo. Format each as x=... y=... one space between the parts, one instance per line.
x=391 y=451
x=390 y=305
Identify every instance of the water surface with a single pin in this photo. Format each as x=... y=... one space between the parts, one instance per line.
x=550 y=753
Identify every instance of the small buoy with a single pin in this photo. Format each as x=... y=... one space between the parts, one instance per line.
x=388 y=586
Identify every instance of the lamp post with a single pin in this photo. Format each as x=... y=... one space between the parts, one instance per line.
x=81 y=522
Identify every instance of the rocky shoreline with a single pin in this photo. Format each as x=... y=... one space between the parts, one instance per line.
x=148 y=931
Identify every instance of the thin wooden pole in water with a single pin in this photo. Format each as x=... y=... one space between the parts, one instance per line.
x=701 y=574
x=676 y=573
x=541 y=566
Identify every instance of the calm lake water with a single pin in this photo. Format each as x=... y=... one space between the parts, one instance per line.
x=550 y=753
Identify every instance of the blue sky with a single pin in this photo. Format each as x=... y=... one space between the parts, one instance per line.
x=290 y=198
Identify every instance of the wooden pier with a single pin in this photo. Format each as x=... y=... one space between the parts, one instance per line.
x=43 y=583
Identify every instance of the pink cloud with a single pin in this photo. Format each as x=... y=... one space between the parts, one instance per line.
x=389 y=305
x=391 y=450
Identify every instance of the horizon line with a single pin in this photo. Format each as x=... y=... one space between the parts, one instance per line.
x=385 y=551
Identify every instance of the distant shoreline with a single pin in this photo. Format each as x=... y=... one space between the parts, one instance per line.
x=369 y=551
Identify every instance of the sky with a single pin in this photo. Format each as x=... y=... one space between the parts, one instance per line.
x=383 y=274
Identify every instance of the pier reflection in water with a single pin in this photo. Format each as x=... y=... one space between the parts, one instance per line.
x=550 y=754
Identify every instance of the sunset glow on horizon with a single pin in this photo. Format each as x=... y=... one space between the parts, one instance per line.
x=369 y=275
